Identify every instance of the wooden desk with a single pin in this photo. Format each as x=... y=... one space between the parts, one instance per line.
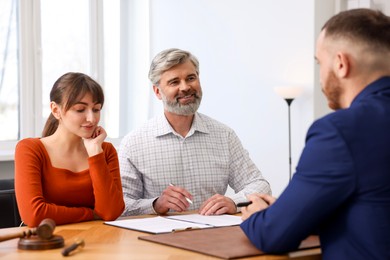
x=109 y=242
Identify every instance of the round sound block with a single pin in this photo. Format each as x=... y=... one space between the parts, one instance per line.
x=36 y=243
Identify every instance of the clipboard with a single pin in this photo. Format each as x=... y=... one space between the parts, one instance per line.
x=223 y=242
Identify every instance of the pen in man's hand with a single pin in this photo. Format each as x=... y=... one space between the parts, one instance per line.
x=190 y=201
x=244 y=204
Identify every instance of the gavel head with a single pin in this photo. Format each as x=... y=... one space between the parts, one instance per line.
x=40 y=237
x=46 y=228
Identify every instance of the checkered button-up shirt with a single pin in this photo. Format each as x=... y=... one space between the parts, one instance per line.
x=205 y=162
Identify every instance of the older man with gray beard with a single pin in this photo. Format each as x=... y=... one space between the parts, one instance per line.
x=184 y=160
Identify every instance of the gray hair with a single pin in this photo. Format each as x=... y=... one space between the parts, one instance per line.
x=167 y=59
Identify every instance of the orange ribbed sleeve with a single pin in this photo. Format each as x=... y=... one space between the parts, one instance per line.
x=106 y=182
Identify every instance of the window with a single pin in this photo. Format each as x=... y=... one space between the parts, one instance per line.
x=65 y=38
x=41 y=40
x=9 y=72
x=111 y=28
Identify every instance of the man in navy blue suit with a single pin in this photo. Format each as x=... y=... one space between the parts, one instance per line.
x=341 y=188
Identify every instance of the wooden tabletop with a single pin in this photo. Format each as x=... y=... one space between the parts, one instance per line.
x=108 y=242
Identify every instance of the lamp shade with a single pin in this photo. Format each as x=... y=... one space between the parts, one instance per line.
x=288 y=92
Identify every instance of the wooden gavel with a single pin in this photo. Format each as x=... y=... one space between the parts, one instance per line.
x=44 y=231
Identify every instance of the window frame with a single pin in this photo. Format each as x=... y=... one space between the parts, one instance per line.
x=135 y=101
x=29 y=55
x=30 y=68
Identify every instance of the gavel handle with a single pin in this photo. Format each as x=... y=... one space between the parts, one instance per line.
x=69 y=249
x=72 y=247
x=25 y=233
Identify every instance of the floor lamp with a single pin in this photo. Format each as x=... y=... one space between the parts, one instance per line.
x=289 y=94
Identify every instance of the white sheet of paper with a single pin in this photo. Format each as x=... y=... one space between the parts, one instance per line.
x=155 y=225
x=213 y=220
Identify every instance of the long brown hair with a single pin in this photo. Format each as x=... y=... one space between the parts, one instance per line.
x=67 y=91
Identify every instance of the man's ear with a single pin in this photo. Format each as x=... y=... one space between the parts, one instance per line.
x=157 y=92
x=342 y=65
x=55 y=110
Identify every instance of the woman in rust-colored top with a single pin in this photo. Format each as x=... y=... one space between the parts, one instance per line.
x=70 y=174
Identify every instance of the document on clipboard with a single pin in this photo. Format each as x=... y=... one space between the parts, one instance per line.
x=212 y=220
x=176 y=223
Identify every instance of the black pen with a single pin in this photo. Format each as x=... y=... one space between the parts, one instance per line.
x=244 y=204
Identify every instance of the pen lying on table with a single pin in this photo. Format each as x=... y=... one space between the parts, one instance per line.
x=185 y=229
